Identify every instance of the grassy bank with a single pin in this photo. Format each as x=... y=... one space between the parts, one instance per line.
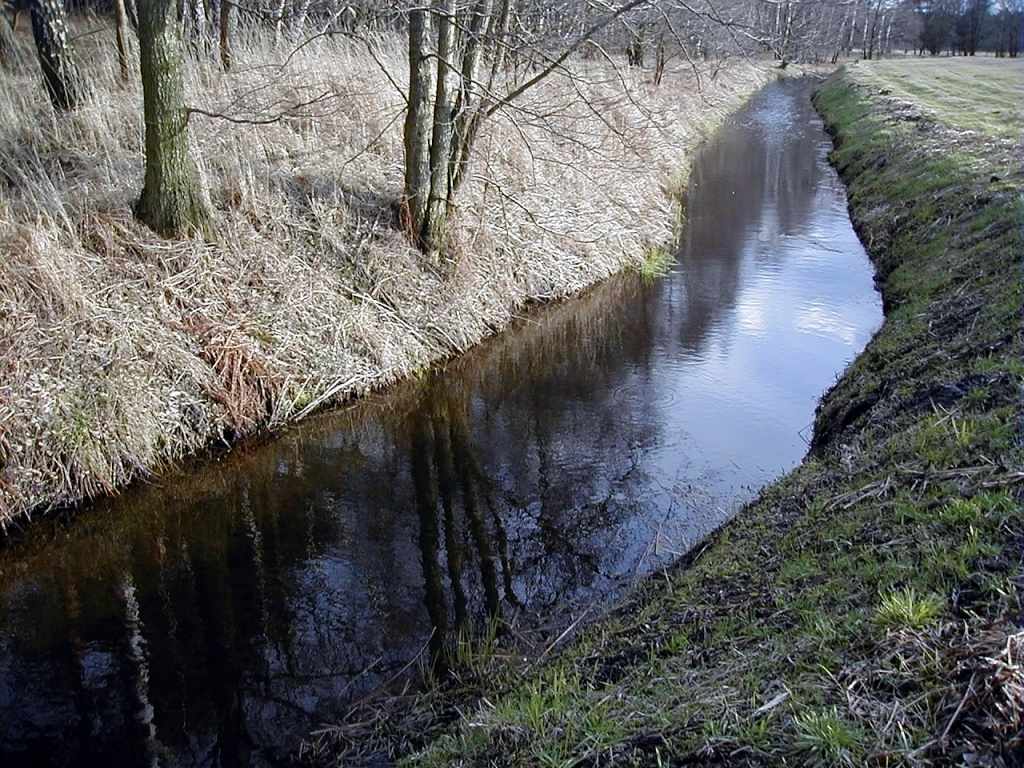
x=121 y=352
x=866 y=609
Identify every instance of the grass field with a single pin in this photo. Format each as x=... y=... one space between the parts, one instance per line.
x=979 y=94
x=866 y=609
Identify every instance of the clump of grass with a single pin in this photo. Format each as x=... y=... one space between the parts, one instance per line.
x=474 y=652
x=121 y=352
x=906 y=609
x=826 y=739
x=657 y=262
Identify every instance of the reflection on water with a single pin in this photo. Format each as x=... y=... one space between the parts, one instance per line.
x=216 y=619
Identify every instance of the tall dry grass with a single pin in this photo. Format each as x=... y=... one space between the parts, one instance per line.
x=121 y=352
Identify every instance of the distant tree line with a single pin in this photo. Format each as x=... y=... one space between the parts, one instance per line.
x=967 y=26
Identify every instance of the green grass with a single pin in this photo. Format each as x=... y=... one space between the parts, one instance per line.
x=906 y=609
x=657 y=262
x=825 y=739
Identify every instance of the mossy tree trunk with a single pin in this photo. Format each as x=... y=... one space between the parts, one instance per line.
x=173 y=202
x=53 y=46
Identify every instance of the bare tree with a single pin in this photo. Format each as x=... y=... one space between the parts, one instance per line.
x=432 y=232
x=53 y=46
x=938 y=21
x=278 y=15
x=970 y=25
x=1010 y=26
x=417 y=127
x=224 y=33
x=173 y=202
x=121 y=31
x=439 y=137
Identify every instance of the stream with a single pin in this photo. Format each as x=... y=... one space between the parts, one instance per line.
x=218 y=615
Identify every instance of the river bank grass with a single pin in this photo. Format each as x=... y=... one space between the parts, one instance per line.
x=866 y=609
x=121 y=353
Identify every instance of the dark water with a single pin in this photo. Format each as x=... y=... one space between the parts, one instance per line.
x=217 y=618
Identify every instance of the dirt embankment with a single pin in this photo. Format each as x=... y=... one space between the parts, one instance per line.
x=866 y=609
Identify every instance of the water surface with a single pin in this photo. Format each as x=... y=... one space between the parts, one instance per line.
x=217 y=617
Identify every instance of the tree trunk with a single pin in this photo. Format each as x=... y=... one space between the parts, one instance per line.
x=50 y=30
x=839 y=38
x=853 y=31
x=173 y=202
x=784 y=53
x=417 y=123
x=466 y=107
x=224 y=25
x=436 y=162
x=497 y=32
x=278 y=21
x=121 y=17
x=864 y=38
x=635 y=50
x=660 y=60
x=876 y=31
x=133 y=13
x=435 y=224
x=777 y=29
x=195 y=23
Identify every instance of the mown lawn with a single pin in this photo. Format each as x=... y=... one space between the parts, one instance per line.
x=980 y=93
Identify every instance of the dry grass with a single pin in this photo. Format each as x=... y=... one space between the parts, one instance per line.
x=121 y=352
